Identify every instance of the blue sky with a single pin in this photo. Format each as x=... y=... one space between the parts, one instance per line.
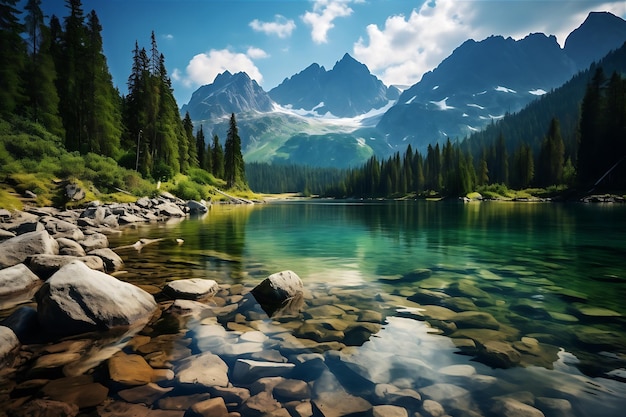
x=398 y=40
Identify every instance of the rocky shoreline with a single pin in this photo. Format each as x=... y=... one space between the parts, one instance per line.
x=93 y=345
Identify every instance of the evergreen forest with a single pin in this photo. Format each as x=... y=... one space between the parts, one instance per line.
x=60 y=110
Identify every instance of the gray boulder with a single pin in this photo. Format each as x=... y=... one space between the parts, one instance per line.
x=112 y=261
x=191 y=289
x=277 y=289
x=17 y=278
x=46 y=265
x=77 y=299
x=16 y=250
x=8 y=344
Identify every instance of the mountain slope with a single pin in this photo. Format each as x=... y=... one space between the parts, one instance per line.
x=347 y=90
x=229 y=93
x=600 y=33
x=482 y=81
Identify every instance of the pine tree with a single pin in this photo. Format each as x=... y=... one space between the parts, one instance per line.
x=591 y=130
x=42 y=101
x=103 y=118
x=552 y=156
x=217 y=152
x=12 y=58
x=190 y=143
x=234 y=169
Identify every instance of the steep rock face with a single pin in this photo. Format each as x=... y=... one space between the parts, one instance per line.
x=600 y=33
x=227 y=94
x=347 y=90
x=481 y=81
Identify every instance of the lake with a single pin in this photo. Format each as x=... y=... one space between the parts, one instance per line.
x=408 y=308
x=478 y=308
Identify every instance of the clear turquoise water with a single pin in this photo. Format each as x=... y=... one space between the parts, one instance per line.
x=555 y=257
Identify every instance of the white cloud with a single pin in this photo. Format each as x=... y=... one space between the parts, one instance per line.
x=281 y=26
x=256 y=53
x=168 y=36
x=322 y=17
x=203 y=68
x=408 y=46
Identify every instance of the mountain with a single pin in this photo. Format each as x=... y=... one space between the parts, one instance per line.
x=347 y=90
x=599 y=33
x=480 y=82
x=229 y=93
x=341 y=117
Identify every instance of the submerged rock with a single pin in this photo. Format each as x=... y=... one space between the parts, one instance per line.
x=276 y=290
x=8 y=344
x=77 y=299
x=191 y=289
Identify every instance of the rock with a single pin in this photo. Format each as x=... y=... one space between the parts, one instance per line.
x=181 y=402
x=122 y=409
x=197 y=207
x=432 y=408
x=404 y=397
x=144 y=394
x=475 y=319
x=5 y=234
x=213 y=407
x=191 y=289
x=8 y=345
x=169 y=210
x=77 y=299
x=45 y=408
x=259 y=405
x=27 y=227
x=79 y=390
x=277 y=289
x=112 y=261
x=62 y=229
x=204 y=370
x=498 y=354
x=291 y=389
x=247 y=370
x=70 y=247
x=17 y=278
x=46 y=265
x=594 y=312
x=466 y=288
x=95 y=241
x=559 y=407
x=318 y=332
x=15 y=250
x=74 y=192
x=389 y=411
x=231 y=395
x=509 y=407
x=448 y=395
x=330 y=399
x=129 y=369
x=458 y=370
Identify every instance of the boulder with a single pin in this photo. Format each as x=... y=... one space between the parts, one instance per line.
x=247 y=370
x=45 y=408
x=213 y=407
x=62 y=228
x=509 y=407
x=77 y=299
x=15 y=250
x=204 y=370
x=112 y=261
x=95 y=241
x=17 y=278
x=129 y=369
x=191 y=289
x=74 y=192
x=79 y=390
x=197 y=207
x=70 y=247
x=46 y=265
x=277 y=289
x=499 y=354
x=8 y=344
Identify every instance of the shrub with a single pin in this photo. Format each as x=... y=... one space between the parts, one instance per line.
x=189 y=190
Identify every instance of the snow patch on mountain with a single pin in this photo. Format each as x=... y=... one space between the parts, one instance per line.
x=504 y=89
x=442 y=105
